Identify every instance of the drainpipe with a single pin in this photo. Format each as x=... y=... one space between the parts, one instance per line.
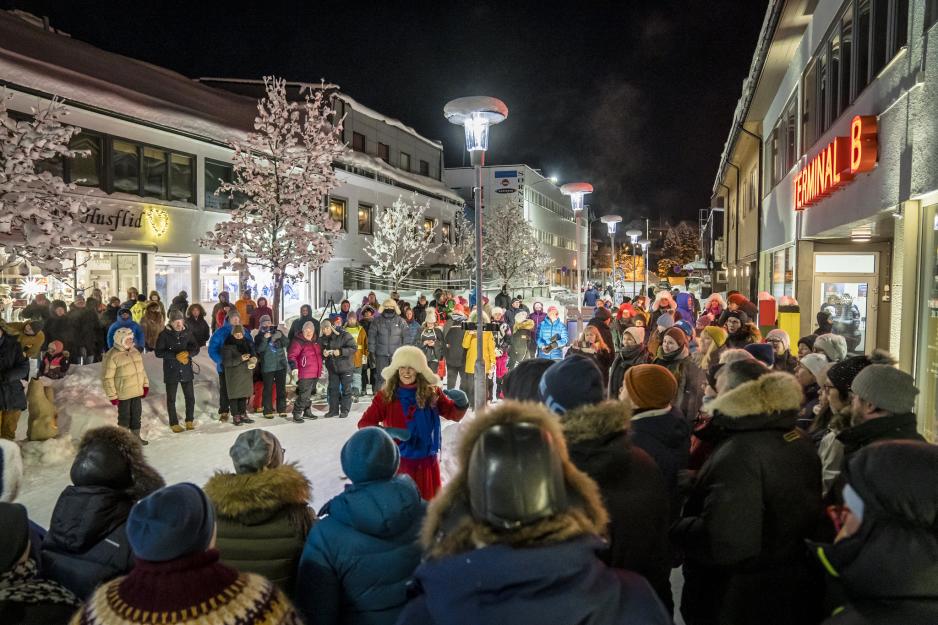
x=758 y=204
x=736 y=225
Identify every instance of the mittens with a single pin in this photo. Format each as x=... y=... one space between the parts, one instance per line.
x=146 y=391
x=114 y=402
x=459 y=397
x=183 y=357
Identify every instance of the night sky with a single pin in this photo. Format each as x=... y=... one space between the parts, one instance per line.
x=635 y=97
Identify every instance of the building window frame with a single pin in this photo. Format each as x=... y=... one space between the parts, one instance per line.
x=384 y=152
x=366 y=219
x=332 y=205
x=429 y=225
x=405 y=161
x=447 y=232
x=359 y=142
x=167 y=155
x=424 y=168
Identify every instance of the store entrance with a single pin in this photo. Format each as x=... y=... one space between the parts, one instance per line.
x=848 y=300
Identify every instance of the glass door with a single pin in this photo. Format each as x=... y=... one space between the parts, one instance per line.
x=847 y=299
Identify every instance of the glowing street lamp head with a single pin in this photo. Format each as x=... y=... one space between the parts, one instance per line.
x=577 y=191
x=475 y=114
x=644 y=243
x=634 y=234
x=611 y=221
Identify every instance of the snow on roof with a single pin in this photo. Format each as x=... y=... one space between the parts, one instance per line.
x=358 y=159
x=390 y=121
x=54 y=64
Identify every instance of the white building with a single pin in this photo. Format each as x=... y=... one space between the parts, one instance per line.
x=545 y=207
x=159 y=147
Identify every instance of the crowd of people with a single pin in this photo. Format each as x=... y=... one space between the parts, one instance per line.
x=789 y=489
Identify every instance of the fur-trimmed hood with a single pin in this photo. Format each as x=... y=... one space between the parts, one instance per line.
x=526 y=324
x=253 y=498
x=595 y=421
x=450 y=528
x=105 y=453
x=771 y=397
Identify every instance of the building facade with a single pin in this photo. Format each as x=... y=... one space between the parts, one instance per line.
x=158 y=145
x=543 y=205
x=842 y=107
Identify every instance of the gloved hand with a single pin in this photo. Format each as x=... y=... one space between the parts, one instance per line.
x=459 y=397
x=183 y=357
x=146 y=391
x=114 y=402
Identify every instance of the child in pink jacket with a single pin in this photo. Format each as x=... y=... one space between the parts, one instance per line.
x=305 y=357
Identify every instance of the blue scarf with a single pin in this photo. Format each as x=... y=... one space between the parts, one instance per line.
x=422 y=423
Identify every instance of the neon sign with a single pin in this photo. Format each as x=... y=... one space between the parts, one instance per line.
x=838 y=163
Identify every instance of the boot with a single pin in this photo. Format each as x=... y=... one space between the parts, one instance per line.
x=190 y=425
x=330 y=414
x=247 y=419
x=344 y=415
x=137 y=434
x=284 y=415
x=223 y=417
x=236 y=420
x=268 y=415
x=176 y=428
x=297 y=419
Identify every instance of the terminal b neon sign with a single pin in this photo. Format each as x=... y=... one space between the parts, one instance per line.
x=838 y=163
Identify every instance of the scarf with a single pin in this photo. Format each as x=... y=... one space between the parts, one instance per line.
x=674 y=357
x=423 y=424
x=21 y=584
x=629 y=355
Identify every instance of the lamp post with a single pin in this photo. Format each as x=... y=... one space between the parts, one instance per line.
x=611 y=221
x=644 y=243
x=577 y=191
x=633 y=235
x=475 y=114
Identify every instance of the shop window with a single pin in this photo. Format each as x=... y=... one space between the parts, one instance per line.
x=428 y=228
x=173 y=274
x=384 y=152
x=181 y=178
x=365 y=218
x=215 y=175
x=125 y=167
x=214 y=278
x=447 y=231
x=844 y=263
x=405 y=161
x=358 y=142
x=424 y=168
x=86 y=170
x=154 y=173
x=337 y=212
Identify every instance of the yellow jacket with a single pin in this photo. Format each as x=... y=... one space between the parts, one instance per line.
x=138 y=310
x=361 y=340
x=31 y=344
x=488 y=351
x=122 y=374
x=245 y=307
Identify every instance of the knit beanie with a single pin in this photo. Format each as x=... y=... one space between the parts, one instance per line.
x=11 y=470
x=737 y=298
x=602 y=314
x=781 y=335
x=232 y=314
x=238 y=329
x=637 y=333
x=808 y=341
x=172 y=522
x=739 y=314
x=309 y=325
x=887 y=388
x=716 y=334
x=570 y=383
x=763 y=352
x=815 y=363
x=255 y=450
x=370 y=455
x=842 y=374
x=665 y=321
x=15 y=524
x=685 y=327
x=650 y=387
x=264 y=319
x=678 y=335
x=176 y=315
x=833 y=346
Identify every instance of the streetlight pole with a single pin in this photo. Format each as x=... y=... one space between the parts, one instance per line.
x=611 y=221
x=475 y=114
x=576 y=191
x=645 y=243
x=633 y=235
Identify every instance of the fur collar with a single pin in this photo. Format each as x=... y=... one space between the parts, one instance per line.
x=145 y=478
x=239 y=495
x=595 y=421
x=449 y=527
x=772 y=393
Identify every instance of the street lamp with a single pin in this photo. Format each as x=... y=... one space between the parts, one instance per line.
x=577 y=191
x=611 y=221
x=645 y=243
x=476 y=114
x=633 y=235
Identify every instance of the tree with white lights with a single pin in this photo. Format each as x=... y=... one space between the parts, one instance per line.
x=401 y=241
x=463 y=246
x=511 y=250
x=40 y=215
x=283 y=171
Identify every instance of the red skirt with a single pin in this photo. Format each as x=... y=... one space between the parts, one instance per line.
x=425 y=472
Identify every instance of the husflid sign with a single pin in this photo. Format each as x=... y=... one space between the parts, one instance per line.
x=837 y=163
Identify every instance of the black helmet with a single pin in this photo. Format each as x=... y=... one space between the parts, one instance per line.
x=515 y=476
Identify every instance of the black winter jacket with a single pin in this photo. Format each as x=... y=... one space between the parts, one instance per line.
x=523 y=344
x=199 y=328
x=453 y=351
x=13 y=369
x=341 y=340
x=387 y=332
x=622 y=363
x=434 y=353
x=665 y=436
x=893 y=427
x=86 y=333
x=169 y=343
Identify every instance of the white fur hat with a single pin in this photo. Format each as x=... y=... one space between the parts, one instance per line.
x=410 y=356
x=11 y=470
x=431 y=316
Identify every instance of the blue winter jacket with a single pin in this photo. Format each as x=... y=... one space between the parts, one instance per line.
x=359 y=558
x=555 y=583
x=545 y=332
x=128 y=323
x=218 y=341
x=590 y=297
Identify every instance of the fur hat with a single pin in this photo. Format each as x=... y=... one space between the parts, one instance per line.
x=833 y=346
x=771 y=393
x=172 y=522
x=650 y=386
x=255 y=450
x=121 y=335
x=498 y=310
x=11 y=470
x=661 y=297
x=887 y=388
x=430 y=316
x=413 y=357
x=370 y=455
x=112 y=456
x=735 y=355
x=815 y=363
x=390 y=304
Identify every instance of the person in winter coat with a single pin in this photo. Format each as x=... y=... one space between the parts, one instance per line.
x=54 y=363
x=39 y=309
x=413 y=326
x=271 y=346
x=883 y=557
x=215 y=344
x=85 y=332
x=471 y=344
x=806 y=345
x=430 y=341
x=86 y=544
x=453 y=352
x=139 y=308
x=360 y=556
x=338 y=350
x=631 y=352
x=220 y=310
x=387 y=333
x=523 y=344
x=28 y=334
x=155 y=297
x=360 y=334
x=502 y=336
x=412 y=403
x=740 y=332
x=808 y=373
x=125 y=320
x=306 y=314
x=178 y=577
x=514 y=536
x=305 y=356
x=832 y=346
x=262 y=310
x=246 y=305
x=26 y=598
x=755 y=501
x=132 y=294
x=111 y=313
x=125 y=381
x=195 y=321
x=152 y=323
x=14 y=368
x=57 y=327
x=262 y=510
x=714 y=306
x=632 y=488
x=537 y=315
x=176 y=347
x=781 y=343
x=551 y=336
x=658 y=427
x=673 y=355
x=239 y=360
x=711 y=345
x=591 y=345
x=686 y=306
x=825 y=323
x=180 y=303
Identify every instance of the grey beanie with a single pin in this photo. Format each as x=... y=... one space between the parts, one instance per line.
x=176 y=315
x=887 y=388
x=232 y=313
x=263 y=319
x=833 y=346
x=255 y=450
x=309 y=325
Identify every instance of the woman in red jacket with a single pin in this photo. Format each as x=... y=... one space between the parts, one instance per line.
x=409 y=407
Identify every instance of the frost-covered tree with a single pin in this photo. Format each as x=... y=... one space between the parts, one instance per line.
x=283 y=173
x=400 y=242
x=463 y=246
x=681 y=246
x=511 y=250
x=40 y=216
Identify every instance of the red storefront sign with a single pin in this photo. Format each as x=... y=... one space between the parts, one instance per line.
x=837 y=164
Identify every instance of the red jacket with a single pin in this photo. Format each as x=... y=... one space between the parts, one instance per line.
x=392 y=415
x=306 y=357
